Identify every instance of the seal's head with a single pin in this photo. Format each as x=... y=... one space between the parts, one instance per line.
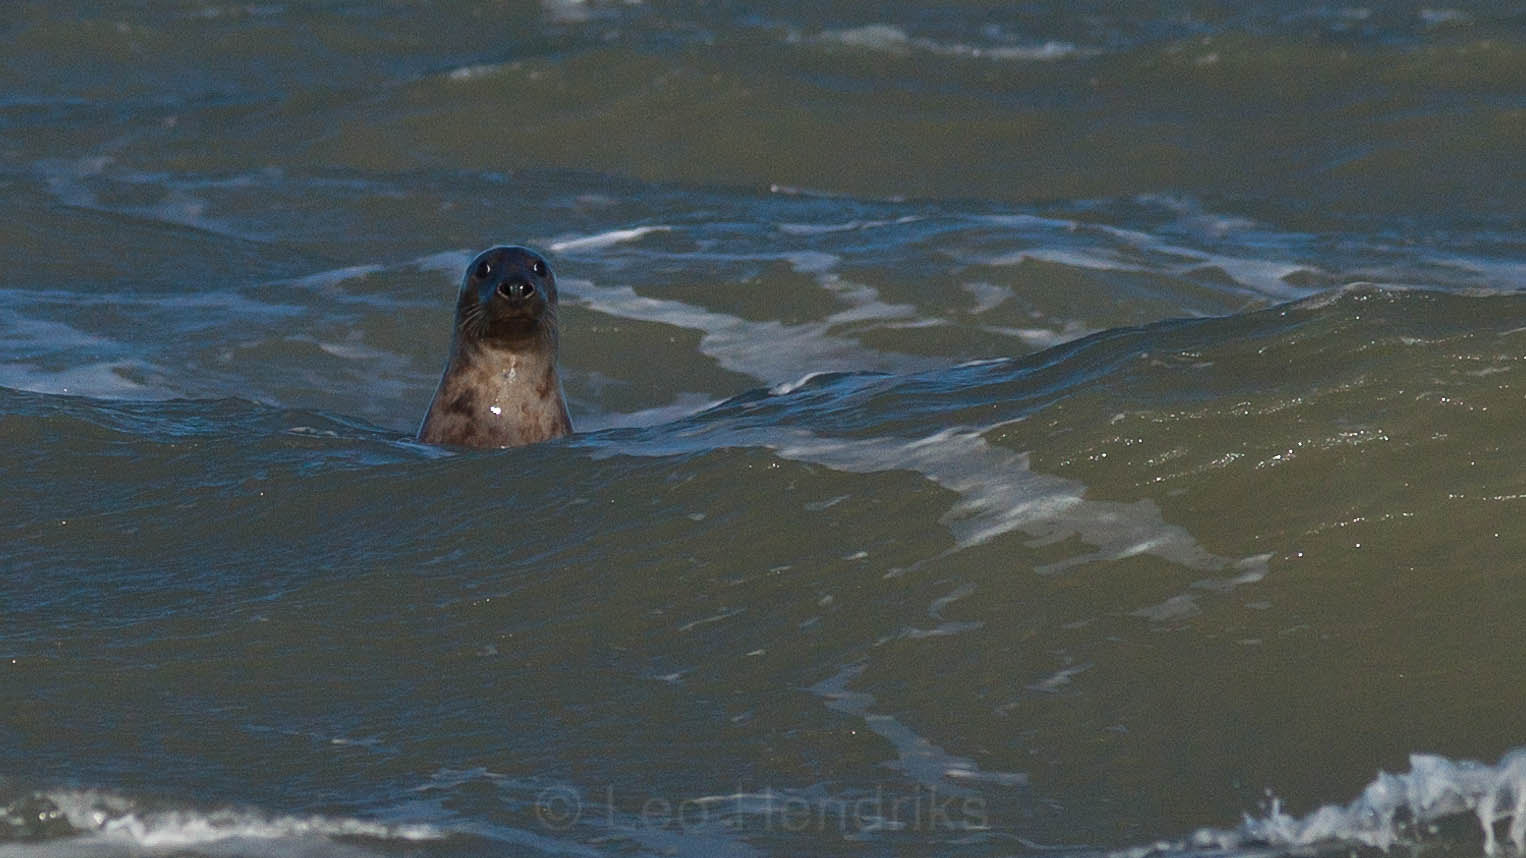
x=500 y=387
x=508 y=300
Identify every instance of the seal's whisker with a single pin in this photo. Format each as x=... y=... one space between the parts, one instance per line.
x=550 y=327
x=473 y=319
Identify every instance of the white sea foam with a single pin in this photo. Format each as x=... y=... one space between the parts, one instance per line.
x=1508 y=273
x=353 y=350
x=808 y=229
x=103 y=380
x=1445 y=18
x=880 y=37
x=962 y=592
x=1059 y=679
x=916 y=757
x=891 y=39
x=769 y=351
x=988 y=296
x=452 y=262
x=325 y=281
x=1262 y=277
x=1086 y=258
x=476 y=72
x=604 y=239
x=682 y=406
x=1387 y=813
x=44 y=355
x=110 y=823
x=998 y=494
x=1108 y=248
x=774 y=351
x=27 y=335
x=1041 y=338
x=788 y=387
x=567 y=11
x=179 y=829
x=70 y=183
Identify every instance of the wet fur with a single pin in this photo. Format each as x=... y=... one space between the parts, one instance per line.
x=500 y=387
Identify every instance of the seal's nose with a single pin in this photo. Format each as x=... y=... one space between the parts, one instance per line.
x=516 y=290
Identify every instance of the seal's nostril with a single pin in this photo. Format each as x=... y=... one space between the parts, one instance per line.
x=516 y=291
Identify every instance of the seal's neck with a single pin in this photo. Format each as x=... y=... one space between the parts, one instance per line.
x=500 y=379
x=496 y=397
x=507 y=367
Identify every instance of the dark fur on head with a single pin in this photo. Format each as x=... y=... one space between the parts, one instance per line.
x=508 y=299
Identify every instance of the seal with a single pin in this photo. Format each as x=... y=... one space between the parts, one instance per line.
x=500 y=387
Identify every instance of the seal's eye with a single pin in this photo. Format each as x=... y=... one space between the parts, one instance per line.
x=484 y=268
x=538 y=267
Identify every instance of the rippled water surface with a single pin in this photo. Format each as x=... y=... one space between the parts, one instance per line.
x=1003 y=429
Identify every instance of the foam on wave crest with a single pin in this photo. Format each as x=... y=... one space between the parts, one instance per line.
x=1388 y=813
x=105 y=823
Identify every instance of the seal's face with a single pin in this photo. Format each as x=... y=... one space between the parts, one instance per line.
x=508 y=298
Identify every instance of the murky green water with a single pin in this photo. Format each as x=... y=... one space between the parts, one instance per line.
x=982 y=449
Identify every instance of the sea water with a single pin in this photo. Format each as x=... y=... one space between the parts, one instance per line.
x=1003 y=429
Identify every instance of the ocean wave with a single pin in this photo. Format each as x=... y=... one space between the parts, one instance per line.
x=891 y=39
x=100 y=823
x=1393 y=810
